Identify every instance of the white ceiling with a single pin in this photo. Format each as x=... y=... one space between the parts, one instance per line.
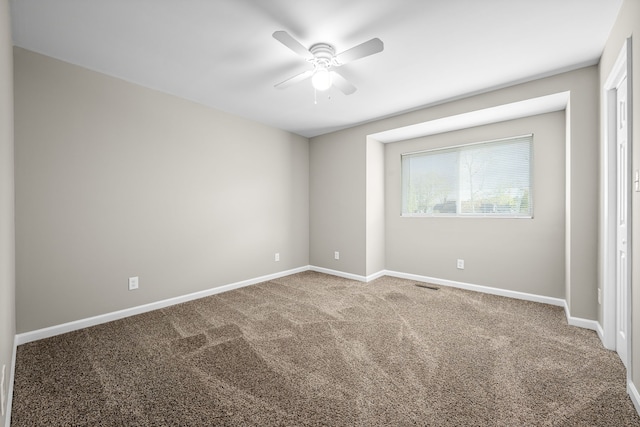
x=221 y=53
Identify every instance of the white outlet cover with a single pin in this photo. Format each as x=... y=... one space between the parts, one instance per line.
x=336 y=255
x=133 y=283
x=460 y=264
x=277 y=257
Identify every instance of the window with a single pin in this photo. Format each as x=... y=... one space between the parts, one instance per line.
x=482 y=179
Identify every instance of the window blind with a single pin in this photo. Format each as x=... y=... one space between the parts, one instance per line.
x=490 y=178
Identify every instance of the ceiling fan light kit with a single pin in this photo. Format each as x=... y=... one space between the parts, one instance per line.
x=321 y=79
x=322 y=56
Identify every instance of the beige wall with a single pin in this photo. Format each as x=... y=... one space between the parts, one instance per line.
x=7 y=248
x=337 y=189
x=338 y=174
x=114 y=180
x=628 y=25
x=524 y=255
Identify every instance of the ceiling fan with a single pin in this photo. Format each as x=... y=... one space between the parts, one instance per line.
x=323 y=57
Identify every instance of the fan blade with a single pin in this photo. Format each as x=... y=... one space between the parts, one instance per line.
x=293 y=44
x=295 y=79
x=342 y=83
x=360 y=51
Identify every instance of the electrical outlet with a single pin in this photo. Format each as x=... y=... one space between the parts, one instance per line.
x=336 y=255
x=133 y=283
x=277 y=257
x=460 y=264
x=3 y=391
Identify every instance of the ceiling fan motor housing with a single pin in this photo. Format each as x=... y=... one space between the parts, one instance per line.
x=323 y=55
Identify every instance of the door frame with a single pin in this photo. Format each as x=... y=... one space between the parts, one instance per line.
x=620 y=70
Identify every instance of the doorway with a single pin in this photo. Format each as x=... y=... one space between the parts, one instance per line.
x=617 y=188
x=622 y=220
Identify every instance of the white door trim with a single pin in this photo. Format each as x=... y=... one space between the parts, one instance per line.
x=620 y=70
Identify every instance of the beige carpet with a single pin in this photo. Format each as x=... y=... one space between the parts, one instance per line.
x=311 y=349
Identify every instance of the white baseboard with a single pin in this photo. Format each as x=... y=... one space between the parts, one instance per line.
x=573 y=321
x=635 y=396
x=12 y=373
x=600 y=332
x=582 y=323
x=51 y=331
x=478 y=288
x=108 y=317
x=351 y=276
x=377 y=275
x=338 y=273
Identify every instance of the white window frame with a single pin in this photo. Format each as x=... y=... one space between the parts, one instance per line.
x=458 y=202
